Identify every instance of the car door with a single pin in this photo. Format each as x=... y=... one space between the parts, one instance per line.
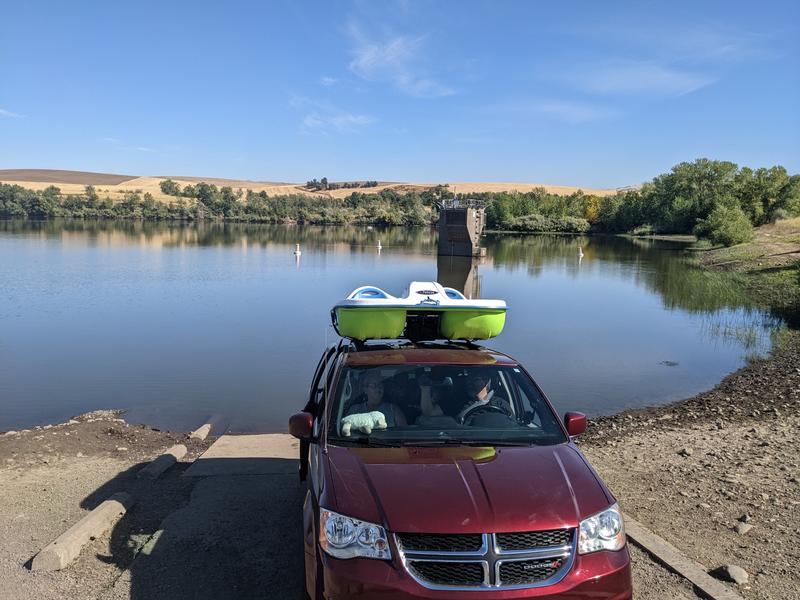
x=316 y=405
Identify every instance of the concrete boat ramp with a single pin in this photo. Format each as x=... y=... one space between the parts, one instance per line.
x=238 y=536
x=257 y=454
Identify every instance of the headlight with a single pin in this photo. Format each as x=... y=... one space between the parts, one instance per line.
x=603 y=531
x=343 y=537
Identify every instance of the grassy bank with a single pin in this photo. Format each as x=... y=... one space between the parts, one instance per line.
x=768 y=268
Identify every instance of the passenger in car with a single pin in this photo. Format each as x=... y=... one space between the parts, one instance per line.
x=371 y=399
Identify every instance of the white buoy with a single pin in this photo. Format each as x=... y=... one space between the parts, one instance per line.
x=297 y=250
x=580 y=252
x=379 y=245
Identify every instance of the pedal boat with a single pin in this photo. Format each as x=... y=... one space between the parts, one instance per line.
x=427 y=310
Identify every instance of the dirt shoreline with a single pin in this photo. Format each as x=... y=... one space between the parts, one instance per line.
x=718 y=474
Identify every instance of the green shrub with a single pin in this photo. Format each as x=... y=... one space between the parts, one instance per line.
x=170 y=188
x=543 y=224
x=726 y=225
x=780 y=214
x=643 y=230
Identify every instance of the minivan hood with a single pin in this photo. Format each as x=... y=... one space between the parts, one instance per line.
x=465 y=489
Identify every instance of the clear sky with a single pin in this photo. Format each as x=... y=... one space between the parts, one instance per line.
x=577 y=93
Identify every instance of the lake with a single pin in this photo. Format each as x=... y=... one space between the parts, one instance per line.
x=178 y=324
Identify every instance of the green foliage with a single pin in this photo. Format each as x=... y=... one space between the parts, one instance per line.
x=544 y=224
x=170 y=188
x=386 y=208
x=727 y=225
x=324 y=184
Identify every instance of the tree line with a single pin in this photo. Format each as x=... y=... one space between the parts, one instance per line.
x=324 y=184
x=209 y=202
x=712 y=199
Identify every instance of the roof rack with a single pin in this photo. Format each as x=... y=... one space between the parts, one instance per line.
x=368 y=345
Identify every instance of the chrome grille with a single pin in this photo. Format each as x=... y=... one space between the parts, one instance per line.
x=533 y=539
x=488 y=560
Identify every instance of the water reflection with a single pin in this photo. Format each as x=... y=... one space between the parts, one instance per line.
x=460 y=273
x=174 y=234
x=179 y=321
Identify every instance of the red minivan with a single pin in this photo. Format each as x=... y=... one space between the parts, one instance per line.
x=440 y=470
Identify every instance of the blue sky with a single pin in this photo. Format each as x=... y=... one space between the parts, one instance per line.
x=576 y=93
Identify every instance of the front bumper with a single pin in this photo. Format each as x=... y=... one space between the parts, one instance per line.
x=602 y=575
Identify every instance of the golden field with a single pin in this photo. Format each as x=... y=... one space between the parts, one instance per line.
x=116 y=186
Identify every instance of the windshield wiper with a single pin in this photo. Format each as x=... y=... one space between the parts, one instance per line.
x=460 y=442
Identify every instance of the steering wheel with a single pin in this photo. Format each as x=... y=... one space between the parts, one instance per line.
x=481 y=408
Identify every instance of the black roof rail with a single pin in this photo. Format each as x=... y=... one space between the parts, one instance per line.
x=365 y=345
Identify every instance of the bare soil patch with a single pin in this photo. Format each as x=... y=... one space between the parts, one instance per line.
x=55 y=176
x=51 y=476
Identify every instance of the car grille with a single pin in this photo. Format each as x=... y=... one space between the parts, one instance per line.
x=449 y=573
x=441 y=542
x=488 y=560
x=533 y=539
x=520 y=572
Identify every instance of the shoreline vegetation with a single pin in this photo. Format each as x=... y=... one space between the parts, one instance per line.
x=714 y=200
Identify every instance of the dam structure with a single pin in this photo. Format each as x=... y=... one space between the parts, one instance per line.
x=461 y=224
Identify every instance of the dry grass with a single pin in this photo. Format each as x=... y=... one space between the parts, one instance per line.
x=475 y=187
x=116 y=186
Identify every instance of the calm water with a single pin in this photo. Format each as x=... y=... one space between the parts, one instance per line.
x=178 y=324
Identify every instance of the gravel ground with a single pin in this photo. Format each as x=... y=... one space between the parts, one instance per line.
x=653 y=582
x=51 y=476
x=695 y=471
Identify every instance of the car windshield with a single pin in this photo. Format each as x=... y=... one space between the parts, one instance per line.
x=419 y=405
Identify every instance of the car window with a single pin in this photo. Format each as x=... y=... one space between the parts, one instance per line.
x=419 y=404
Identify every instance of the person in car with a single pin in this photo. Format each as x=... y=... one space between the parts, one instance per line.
x=480 y=394
x=431 y=413
x=371 y=399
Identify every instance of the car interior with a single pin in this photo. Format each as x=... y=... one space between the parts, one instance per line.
x=449 y=389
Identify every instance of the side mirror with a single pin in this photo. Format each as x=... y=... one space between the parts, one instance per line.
x=301 y=425
x=575 y=423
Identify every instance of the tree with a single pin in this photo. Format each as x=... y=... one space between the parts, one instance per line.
x=90 y=193
x=727 y=225
x=170 y=188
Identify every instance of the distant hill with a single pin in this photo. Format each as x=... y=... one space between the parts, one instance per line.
x=59 y=176
x=116 y=186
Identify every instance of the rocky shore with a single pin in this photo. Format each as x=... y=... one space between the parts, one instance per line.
x=718 y=475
